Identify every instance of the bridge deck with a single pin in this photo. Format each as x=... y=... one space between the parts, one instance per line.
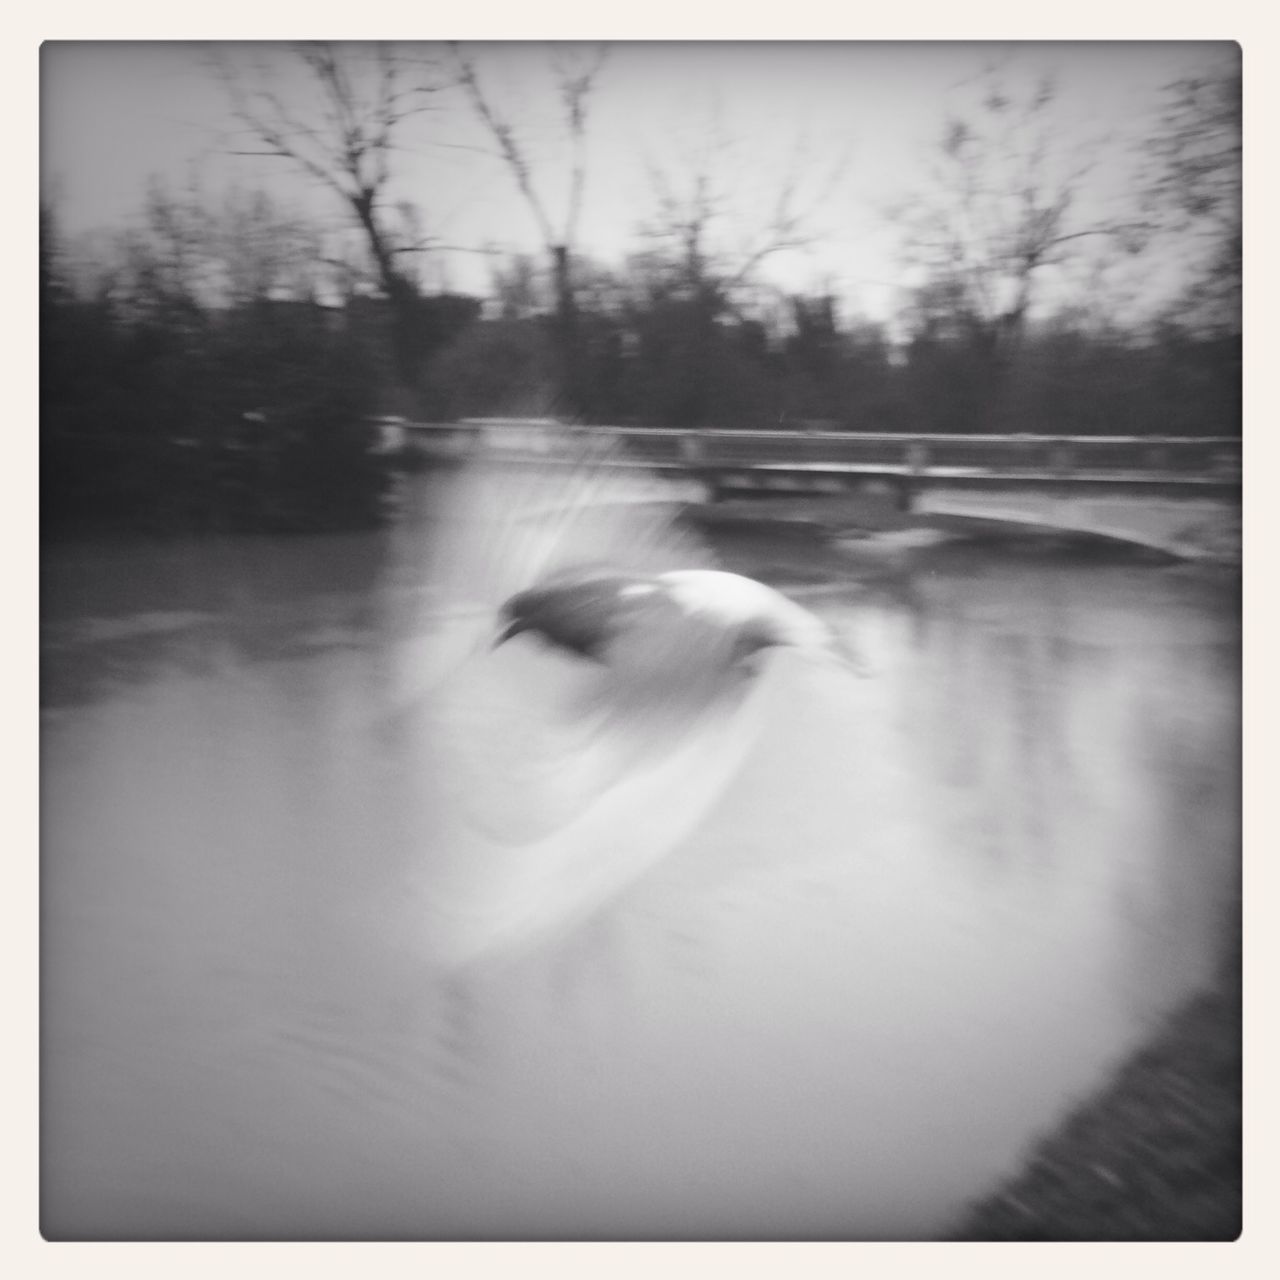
x=1176 y=493
x=825 y=460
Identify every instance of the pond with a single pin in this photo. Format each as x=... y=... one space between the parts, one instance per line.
x=926 y=910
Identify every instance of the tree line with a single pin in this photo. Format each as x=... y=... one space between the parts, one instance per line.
x=215 y=367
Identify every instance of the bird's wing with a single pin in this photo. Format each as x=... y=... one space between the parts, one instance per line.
x=543 y=781
x=521 y=849
x=530 y=738
x=494 y=527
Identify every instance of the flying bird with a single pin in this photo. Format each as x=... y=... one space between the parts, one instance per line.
x=593 y=684
x=719 y=619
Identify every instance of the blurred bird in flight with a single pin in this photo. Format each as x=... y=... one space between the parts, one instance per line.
x=594 y=684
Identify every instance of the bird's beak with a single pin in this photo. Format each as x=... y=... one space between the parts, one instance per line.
x=513 y=628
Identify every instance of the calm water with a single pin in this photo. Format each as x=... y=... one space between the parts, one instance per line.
x=932 y=910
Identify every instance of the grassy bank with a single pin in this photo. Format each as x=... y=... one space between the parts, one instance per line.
x=1156 y=1156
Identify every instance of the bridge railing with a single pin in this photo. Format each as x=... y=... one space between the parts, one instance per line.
x=717 y=450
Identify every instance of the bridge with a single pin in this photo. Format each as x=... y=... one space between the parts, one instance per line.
x=1172 y=493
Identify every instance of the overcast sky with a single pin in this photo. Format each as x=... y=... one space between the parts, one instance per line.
x=115 y=114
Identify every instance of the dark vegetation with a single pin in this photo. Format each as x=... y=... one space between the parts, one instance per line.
x=216 y=367
x=1157 y=1156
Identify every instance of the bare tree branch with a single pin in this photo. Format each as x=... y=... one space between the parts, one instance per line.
x=503 y=134
x=575 y=75
x=576 y=82
x=1002 y=206
x=688 y=217
x=343 y=138
x=576 y=71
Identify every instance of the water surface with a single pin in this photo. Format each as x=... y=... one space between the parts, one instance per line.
x=934 y=908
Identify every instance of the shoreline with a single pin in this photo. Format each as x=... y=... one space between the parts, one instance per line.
x=1156 y=1155
x=872 y=522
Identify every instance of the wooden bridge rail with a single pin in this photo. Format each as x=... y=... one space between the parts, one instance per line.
x=714 y=450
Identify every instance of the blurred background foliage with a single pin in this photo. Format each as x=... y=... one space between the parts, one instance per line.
x=215 y=366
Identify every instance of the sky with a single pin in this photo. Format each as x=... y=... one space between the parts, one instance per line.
x=853 y=123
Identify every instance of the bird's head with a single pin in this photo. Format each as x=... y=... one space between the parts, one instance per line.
x=514 y=617
x=578 y=615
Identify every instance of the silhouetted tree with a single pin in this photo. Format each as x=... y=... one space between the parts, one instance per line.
x=575 y=69
x=1194 y=188
x=696 y=296
x=346 y=139
x=1194 y=196
x=174 y=399
x=1002 y=209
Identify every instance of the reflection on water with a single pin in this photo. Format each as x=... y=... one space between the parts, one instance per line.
x=933 y=909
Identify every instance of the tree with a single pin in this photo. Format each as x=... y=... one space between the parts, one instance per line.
x=575 y=70
x=696 y=283
x=1003 y=209
x=345 y=139
x=266 y=251
x=178 y=395
x=1193 y=200
x=1193 y=189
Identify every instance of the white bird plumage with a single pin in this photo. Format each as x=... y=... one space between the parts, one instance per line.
x=596 y=684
